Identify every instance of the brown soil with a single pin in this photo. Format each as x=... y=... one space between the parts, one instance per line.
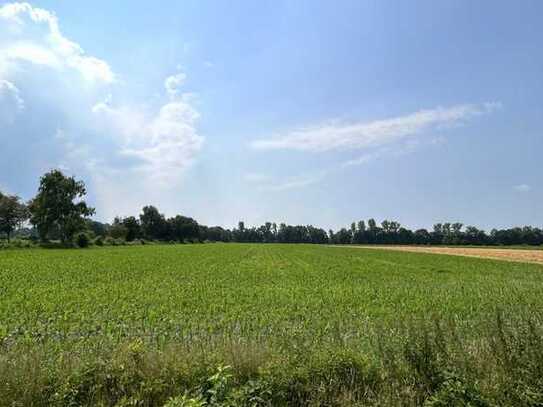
x=520 y=255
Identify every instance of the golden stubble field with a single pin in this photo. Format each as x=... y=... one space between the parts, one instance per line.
x=520 y=255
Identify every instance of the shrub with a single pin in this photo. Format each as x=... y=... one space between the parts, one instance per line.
x=185 y=401
x=99 y=241
x=20 y=243
x=82 y=240
x=456 y=392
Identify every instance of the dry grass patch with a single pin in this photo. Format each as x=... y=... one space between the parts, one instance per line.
x=521 y=255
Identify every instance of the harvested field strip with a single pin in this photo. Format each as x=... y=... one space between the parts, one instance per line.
x=518 y=255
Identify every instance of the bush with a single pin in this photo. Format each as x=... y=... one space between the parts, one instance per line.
x=20 y=243
x=456 y=392
x=99 y=241
x=82 y=240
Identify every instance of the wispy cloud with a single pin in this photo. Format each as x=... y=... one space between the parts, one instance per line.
x=11 y=102
x=350 y=136
x=522 y=188
x=363 y=159
x=268 y=183
x=394 y=150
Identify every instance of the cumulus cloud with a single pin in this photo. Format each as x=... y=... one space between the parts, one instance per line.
x=350 y=136
x=32 y=35
x=130 y=153
x=164 y=144
x=11 y=102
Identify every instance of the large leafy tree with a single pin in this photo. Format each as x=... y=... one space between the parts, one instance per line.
x=133 y=230
x=117 y=229
x=13 y=213
x=59 y=206
x=153 y=224
x=182 y=227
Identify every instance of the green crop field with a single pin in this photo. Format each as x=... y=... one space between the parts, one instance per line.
x=242 y=324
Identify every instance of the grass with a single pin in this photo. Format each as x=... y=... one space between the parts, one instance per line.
x=241 y=324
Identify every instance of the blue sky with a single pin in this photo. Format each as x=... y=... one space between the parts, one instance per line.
x=299 y=111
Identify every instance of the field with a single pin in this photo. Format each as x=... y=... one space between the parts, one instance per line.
x=242 y=324
x=533 y=255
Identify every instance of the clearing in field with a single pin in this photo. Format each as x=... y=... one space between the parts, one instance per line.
x=294 y=324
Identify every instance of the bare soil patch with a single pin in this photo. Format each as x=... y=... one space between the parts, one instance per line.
x=519 y=255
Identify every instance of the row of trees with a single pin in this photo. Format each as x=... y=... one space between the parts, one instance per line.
x=390 y=232
x=151 y=225
x=59 y=212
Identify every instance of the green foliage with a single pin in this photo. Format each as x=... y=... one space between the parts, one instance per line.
x=59 y=206
x=132 y=226
x=12 y=214
x=185 y=401
x=118 y=230
x=82 y=240
x=183 y=228
x=110 y=241
x=17 y=244
x=153 y=224
x=455 y=392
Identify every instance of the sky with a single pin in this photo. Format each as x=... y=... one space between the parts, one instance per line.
x=304 y=112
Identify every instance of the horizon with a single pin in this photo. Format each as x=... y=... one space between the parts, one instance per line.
x=302 y=113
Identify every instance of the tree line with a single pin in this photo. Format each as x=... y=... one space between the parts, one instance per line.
x=59 y=212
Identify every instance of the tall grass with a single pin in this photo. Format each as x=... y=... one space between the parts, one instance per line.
x=426 y=364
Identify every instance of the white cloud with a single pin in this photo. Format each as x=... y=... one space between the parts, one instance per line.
x=405 y=147
x=32 y=35
x=165 y=143
x=269 y=183
x=174 y=83
x=11 y=102
x=342 y=136
x=522 y=188
x=363 y=159
x=129 y=153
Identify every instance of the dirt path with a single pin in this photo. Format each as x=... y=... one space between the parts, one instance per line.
x=520 y=255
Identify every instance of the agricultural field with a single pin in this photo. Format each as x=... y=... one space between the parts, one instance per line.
x=256 y=324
